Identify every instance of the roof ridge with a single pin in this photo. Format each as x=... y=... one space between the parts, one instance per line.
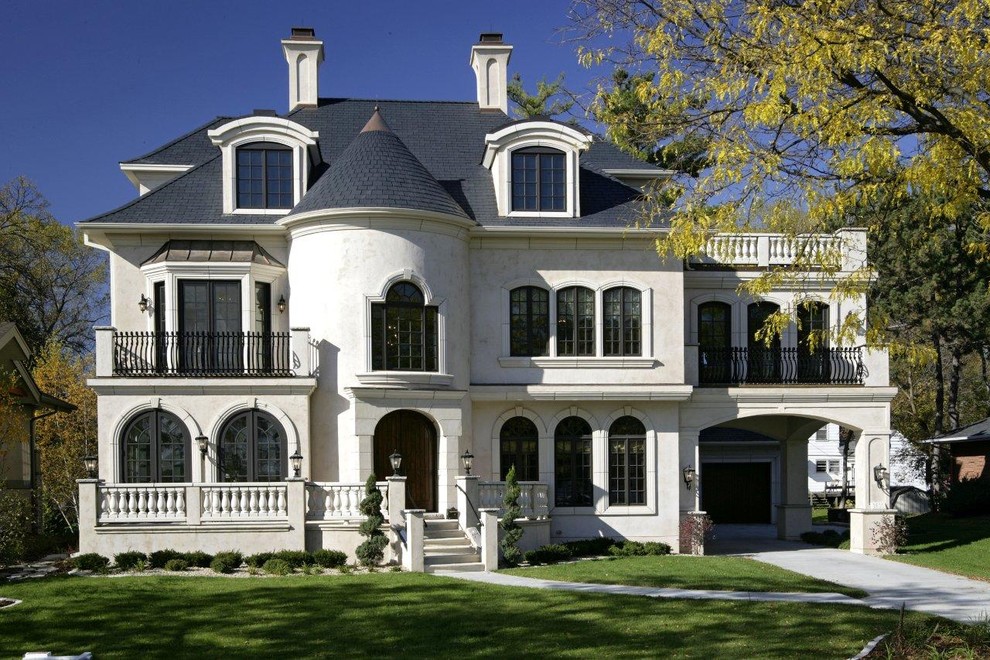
x=381 y=100
x=153 y=191
x=177 y=140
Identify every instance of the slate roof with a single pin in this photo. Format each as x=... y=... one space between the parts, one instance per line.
x=377 y=170
x=446 y=138
x=975 y=432
x=213 y=251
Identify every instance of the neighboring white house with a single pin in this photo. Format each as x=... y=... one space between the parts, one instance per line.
x=357 y=277
x=826 y=463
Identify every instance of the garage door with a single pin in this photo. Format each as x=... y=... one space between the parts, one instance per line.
x=736 y=492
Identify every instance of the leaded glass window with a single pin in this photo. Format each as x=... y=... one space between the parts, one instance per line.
x=252 y=447
x=264 y=177
x=404 y=331
x=529 y=321
x=155 y=448
x=539 y=180
x=622 y=322
x=575 y=321
x=519 y=441
x=627 y=462
x=572 y=463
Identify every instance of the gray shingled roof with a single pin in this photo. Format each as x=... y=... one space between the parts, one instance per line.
x=377 y=170
x=975 y=432
x=213 y=251
x=193 y=148
x=446 y=138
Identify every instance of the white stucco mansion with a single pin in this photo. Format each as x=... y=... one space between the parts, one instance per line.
x=357 y=277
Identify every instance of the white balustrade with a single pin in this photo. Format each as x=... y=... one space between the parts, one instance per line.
x=769 y=249
x=244 y=501
x=534 y=499
x=327 y=501
x=142 y=502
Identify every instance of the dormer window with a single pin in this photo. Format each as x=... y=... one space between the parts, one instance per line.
x=264 y=177
x=539 y=180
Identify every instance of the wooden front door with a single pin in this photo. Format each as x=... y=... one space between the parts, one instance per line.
x=415 y=437
x=736 y=492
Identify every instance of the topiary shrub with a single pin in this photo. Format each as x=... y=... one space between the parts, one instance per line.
x=198 y=558
x=511 y=529
x=277 y=567
x=91 y=561
x=330 y=558
x=372 y=551
x=258 y=560
x=294 y=558
x=176 y=565
x=129 y=561
x=223 y=564
x=159 y=558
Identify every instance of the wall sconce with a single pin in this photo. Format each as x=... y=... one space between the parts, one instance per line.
x=203 y=442
x=143 y=304
x=688 y=477
x=296 y=461
x=880 y=474
x=281 y=304
x=396 y=460
x=90 y=463
x=467 y=460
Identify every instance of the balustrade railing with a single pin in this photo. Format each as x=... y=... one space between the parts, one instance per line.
x=330 y=501
x=142 y=503
x=244 y=501
x=534 y=497
x=222 y=354
x=780 y=366
x=770 y=249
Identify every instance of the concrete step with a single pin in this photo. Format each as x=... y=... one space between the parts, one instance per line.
x=445 y=525
x=443 y=534
x=460 y=558
x=467 y=567
x=439 y=551
x=453 y=541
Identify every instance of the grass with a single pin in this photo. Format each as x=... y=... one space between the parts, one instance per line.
x=953 y=545
x=413 y=615
x=819 y=515
x=683 y=572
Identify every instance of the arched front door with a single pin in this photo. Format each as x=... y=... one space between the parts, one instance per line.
x=415 y=437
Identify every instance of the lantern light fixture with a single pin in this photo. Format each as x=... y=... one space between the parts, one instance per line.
x=90 y=462
x=296 y=461
x=689 y=474
x=143 y=303
x=281 y=304
x=880 y=474
x=203 y=443
x=467 y=460
x=396 y=460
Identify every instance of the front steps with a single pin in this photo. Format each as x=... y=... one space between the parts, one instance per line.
x=446 y=548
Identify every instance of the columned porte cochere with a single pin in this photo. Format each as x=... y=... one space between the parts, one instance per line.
x=433 y=292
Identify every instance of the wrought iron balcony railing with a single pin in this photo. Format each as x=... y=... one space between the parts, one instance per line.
x=201 y=354
x=780 y=366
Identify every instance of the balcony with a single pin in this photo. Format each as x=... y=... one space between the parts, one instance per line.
x=204 y=354
x=845 y=249
x=781 y=366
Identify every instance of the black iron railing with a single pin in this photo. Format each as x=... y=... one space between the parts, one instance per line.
x=212 y=354
x=780 y=366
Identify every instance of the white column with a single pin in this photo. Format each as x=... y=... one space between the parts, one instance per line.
x=872 y=497
x=489 y=538
x=794 y=510
x=104 y=350
x=296 y=505
x=412 y=558
x=468 y=499
x=89 y=511
x=300 y=352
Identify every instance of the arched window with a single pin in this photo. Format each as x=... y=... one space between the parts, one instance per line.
x=404 y=331
x=763 y=361
x=529 y=321
x=627 y=462
x=622 y=322
x=264 y=176
x=252 y=448
x=715 y=342
x=539 y=180
x=814 y=365
x=575 y=321
x=572 y=463
x=155 y=448
x=519 y=441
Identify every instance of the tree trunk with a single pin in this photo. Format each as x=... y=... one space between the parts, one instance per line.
x=939 y=386
x=955 y=366
x=845 y=439
x=986 y=380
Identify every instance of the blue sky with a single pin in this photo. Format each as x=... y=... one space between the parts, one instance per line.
x=86 y=85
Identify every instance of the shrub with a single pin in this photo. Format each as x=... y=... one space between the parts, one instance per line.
x=548 y=554
x=512 y=530
x=198 y=558
x=346 y=569
x=15 y=524
x=258 y=560
x=372 y=551
x=294 y=558
x=159 y=558
x=233 y=557
x=330 y=558
x=655 y=548
x=277 y=567
x=176 y=565
x=590 y=547
x=695 y=530
x=829 y=538
x=128 y=561
x=223 y=564
x=889 y=534
x=968 y=498
x=91 y=561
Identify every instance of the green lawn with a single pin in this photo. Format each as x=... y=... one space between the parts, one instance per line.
x=408 y=615
x=953 y=545
x=685 y=572
x=819 y=515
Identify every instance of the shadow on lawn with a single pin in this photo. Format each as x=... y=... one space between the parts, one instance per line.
x=934 y=532
x=414 y=615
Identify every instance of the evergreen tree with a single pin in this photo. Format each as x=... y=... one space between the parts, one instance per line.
x=511 y=529
x=546 y=102
x=372 y=551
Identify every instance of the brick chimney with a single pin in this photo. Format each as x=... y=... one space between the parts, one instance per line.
x=490 y=61
x=304 y=53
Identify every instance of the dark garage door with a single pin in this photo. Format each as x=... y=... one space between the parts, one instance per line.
x=736 y=492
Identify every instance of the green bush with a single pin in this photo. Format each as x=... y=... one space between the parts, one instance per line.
x=233 y=557
x=15 y=525
x=656 y=548
x=128 y=561
x=223 y=563
x=330 y=558
x=258 y=560
x=512 y=531
x=159 y=558
x=198 y=558
x=968 y=498
x=372 y=551
x=176 y=565
x=91 y=561
x=295 y=558
x=277 y=567
x=637 y=549
x=549 y=554
x=595 y=547
x=829 y=538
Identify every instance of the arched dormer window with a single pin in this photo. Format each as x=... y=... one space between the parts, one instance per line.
x=539 y=180
x=264 y=176
x=404 y=331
